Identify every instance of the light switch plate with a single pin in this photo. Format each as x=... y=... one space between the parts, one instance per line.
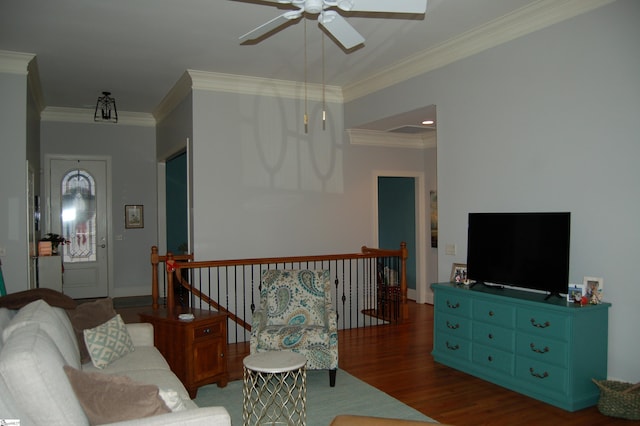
x=450 y=249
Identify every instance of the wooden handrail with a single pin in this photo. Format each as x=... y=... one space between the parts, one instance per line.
x=174 y=265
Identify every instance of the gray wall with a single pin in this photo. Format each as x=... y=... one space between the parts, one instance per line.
x=13 y=181
x=133 y=162
x=265 y=188
x=547 y=122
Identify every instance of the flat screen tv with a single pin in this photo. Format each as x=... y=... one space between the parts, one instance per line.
x=529 y=250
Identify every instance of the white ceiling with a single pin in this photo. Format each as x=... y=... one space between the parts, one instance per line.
x=138 y=49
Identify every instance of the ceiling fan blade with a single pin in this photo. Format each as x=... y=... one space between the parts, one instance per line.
x=389 y=6
x=271 y=25
x=339 y=28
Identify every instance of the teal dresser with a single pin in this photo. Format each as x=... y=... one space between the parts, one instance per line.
x=546 y=349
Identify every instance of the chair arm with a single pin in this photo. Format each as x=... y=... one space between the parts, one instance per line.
x=258 y=322
x=331 y=320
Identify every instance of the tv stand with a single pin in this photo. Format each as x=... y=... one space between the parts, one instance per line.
x=546 y=349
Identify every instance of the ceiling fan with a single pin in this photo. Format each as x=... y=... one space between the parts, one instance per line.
x=331 y=20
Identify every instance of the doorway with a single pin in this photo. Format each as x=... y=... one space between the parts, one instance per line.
x=411 y=206
x=79 y=211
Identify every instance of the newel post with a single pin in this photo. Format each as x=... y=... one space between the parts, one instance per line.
x=154 y=277
x=171 y=267
x=404 y=313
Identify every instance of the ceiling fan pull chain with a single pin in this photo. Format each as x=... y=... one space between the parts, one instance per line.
x=324 y=99
x=306 y=116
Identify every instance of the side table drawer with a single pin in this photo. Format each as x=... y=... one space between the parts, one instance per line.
x=207 y=331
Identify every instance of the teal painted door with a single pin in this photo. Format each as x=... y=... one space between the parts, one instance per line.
x=397 y=218
x=177 y=208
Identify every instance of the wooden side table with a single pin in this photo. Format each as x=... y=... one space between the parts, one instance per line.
x=196 y=350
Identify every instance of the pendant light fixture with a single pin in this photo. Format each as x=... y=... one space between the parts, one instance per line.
x=106 y=109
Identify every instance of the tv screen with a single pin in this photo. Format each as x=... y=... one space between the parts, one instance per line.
x=529 y=250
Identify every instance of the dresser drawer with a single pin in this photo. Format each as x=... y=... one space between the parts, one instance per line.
x=494 y=336
x=453 y=303
x=541 y=374
x=493 y=358
x=495 y=313
x=453 y=346
x=543 y=323
x=542 y=349
x=453 y=324
x=207 y=331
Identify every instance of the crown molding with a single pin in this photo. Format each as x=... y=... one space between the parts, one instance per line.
x=245 y=85
x=85 y=116
x=15 y=62
x=391 y=140
x=523 y=21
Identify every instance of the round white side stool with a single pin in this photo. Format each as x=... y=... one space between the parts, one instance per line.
x=275 y=389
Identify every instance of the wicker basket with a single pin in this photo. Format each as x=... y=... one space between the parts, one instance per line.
x=619 y=399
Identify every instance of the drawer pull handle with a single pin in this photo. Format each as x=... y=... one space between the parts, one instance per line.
x=539 y=351
x=452 y=326
x=452 y=347
x=490 y=336
x=491 y=313
x=206 y=331
x=456 y=306
x=539 y=325
x=538 y=375
x=490 y=358
x=221 y=355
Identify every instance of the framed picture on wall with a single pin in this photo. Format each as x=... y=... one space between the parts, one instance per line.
x=133 y=216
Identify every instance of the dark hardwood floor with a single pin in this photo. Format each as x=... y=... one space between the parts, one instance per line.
x=397 y=360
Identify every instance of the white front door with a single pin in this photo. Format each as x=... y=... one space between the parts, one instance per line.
x=79 y=212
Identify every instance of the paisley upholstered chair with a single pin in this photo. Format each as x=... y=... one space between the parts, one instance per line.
x=295 y=314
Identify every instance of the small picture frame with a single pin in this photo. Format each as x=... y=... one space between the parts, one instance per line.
x=575 y=293
x=593 y=289
x=459 y=273
x=133 y=216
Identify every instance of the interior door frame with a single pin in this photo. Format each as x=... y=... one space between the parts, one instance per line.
x=109 y=211
x=420 y=295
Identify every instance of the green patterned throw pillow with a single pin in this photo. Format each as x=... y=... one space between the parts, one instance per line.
x=108 y=342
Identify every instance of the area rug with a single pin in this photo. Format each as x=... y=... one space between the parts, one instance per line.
x=349 y=396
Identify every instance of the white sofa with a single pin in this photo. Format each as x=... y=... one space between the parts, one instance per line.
x=38 y=341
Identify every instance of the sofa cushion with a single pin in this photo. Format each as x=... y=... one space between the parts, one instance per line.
x=5 y=318
x=107 y=398
x=52 y=321
x=108 y=342
x=89 y=315
x=23 y=298
x=31 y=366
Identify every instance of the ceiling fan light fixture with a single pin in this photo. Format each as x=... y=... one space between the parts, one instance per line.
x=345 y=5
x=313 y=6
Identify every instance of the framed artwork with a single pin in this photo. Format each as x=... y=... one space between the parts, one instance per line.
x=575 y=293
x=459 y=273
x=133 y=216
x=593 y=288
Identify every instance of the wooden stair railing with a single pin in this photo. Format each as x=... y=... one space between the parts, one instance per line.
x=174 y=265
